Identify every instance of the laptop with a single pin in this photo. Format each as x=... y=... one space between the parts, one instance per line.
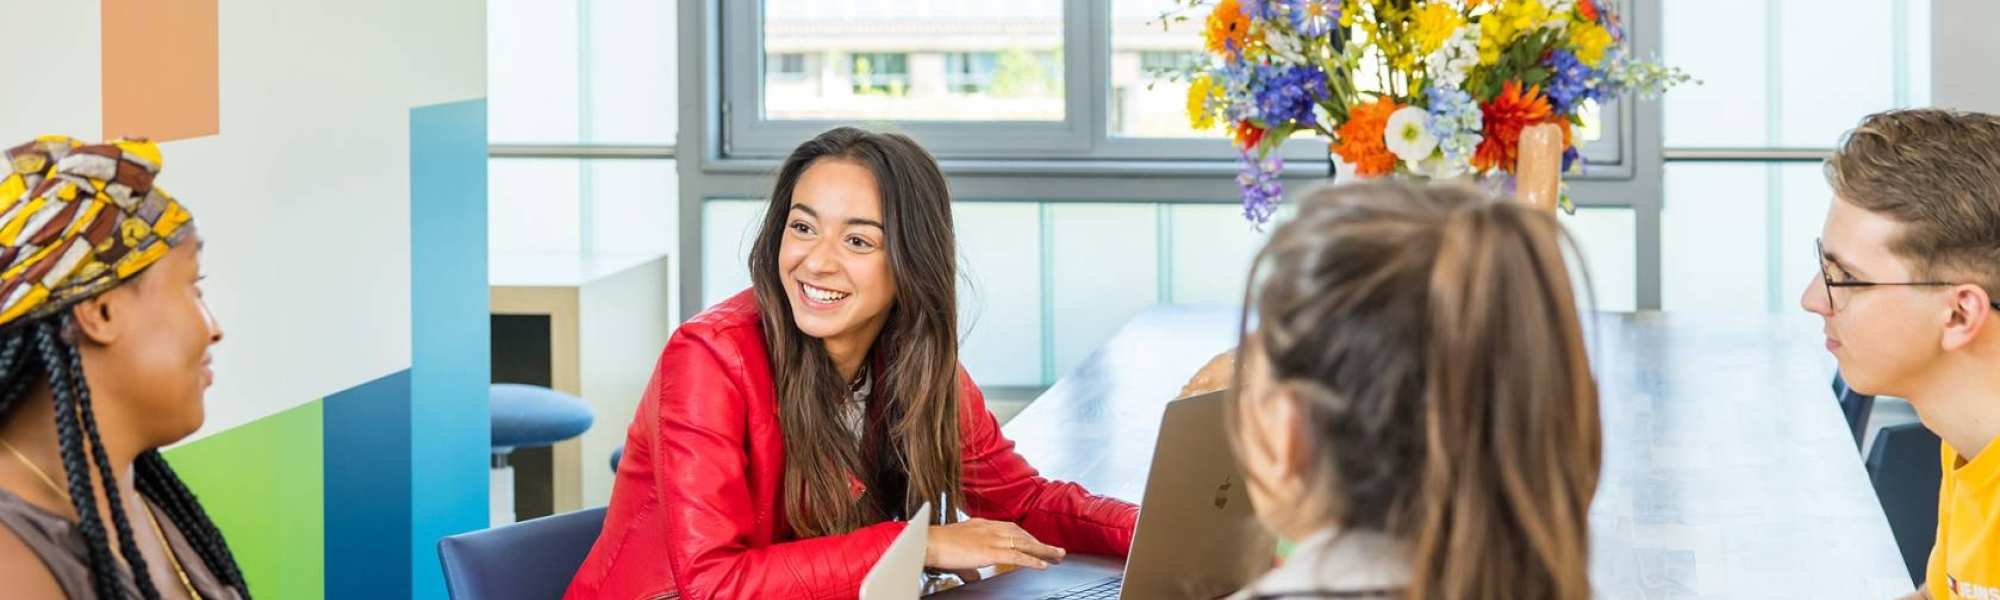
x=1197 y=535
x=899 y=574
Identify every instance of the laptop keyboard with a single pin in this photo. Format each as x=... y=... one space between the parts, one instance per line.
x=1104 y=589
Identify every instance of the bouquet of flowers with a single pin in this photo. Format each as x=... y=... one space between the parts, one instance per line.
x=1425 y=88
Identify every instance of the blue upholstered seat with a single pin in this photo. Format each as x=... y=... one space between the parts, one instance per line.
x=526 y=416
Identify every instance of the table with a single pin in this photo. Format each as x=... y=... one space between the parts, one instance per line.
x=590 y=325
x=1728 y=470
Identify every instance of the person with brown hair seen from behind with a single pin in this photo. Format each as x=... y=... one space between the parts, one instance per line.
x=104 y=340
x=1416 y=408
x=788 y=428
x=1909 y=265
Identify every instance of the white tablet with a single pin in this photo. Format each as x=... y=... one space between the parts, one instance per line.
x=899 y=575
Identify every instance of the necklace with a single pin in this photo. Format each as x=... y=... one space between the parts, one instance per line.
x=34 y=469
x=165 y=547
x=169 y=550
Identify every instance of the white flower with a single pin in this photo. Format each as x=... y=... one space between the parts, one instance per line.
x=1283 y=47
x=1449 y=64
x=1406 y=135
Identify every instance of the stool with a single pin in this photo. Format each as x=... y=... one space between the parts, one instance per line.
x=528 y=416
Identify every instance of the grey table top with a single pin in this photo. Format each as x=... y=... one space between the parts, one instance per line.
x=1728 y=470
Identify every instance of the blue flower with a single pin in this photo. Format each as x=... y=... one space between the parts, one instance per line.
x=1267 y=10
x=1313 y=18
x=1457 y=122
x=1289 y=94
x=1261 y=190
x=1570 y=81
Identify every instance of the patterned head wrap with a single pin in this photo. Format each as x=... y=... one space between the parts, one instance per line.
x=80 y=219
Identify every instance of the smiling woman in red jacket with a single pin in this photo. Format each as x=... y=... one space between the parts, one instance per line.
x=787 y=429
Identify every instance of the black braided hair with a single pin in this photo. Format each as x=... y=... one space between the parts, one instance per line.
x=39 y=348
x=72 y=361
x=69 y=435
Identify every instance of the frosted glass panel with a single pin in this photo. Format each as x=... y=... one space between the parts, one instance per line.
x=1212 y=247
x=728 y=227
x=1837 y=60
x=1000 y=291
x=633 y=88
x=1713 y=238
x=1729 y=108
x=531 y=72
x=533 y=206
x=1806 y=199
x=632 y=206
x=1105 y=271
x=1605 y=235
x=1829 y=63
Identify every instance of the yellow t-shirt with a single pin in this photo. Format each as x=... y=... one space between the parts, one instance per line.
x=1965 y=563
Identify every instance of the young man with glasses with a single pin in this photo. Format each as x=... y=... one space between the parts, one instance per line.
x=1909 y=272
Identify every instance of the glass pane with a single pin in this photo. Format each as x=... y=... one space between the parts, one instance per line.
x=633 y=206
x=1144 y=103
x=1000 y=291
x=1837 y=64
x=728 y=227
x=1806 y=197
x=632 y=90
x=1105 y=270
x=1798 y=81
x=1605 y=235
x=531 y=72
x=944 y=60
x=1211 y=248
x=533 y=206
x=1714 y=238
x=1731 y=106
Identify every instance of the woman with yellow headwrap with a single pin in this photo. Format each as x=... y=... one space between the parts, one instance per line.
x=104 y=341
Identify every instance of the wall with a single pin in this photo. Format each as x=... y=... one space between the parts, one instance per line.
x=324 y=121
x=1962 y=51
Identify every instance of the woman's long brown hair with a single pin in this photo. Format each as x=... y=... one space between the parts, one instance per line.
x=1430 y=337
x=915 y=356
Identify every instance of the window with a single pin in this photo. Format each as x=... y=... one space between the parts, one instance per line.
x=969 y=72
x=787 y=66
x=880 y=73
x=1744 y=194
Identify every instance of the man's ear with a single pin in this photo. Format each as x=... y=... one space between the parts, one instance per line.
x=98 y=318
x=1971 y=313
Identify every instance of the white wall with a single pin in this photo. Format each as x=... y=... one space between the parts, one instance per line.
x=304 y=195
x=1965 y=42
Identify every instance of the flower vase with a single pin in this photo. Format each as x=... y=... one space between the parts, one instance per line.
x=1538 y=170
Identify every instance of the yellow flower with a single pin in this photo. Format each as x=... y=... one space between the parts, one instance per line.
x=1589 y=40
x=1436 y=21
x=1199 y=92
x=1498 y=29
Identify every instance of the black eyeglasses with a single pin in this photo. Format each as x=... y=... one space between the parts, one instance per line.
x=1819 y=250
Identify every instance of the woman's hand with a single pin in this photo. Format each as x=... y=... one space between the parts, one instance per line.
x=1213 y=376
x=977 y=543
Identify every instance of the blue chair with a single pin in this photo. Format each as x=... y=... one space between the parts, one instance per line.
x=1904 y=467
x=617 y=455
x=528 y=416
x=528 y=560
x=1855 y=406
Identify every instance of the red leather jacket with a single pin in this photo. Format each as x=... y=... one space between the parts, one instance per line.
x=697 y=511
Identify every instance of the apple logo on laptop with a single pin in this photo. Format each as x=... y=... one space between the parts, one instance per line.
x=1222 y=493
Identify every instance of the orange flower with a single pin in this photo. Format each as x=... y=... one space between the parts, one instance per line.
x=1505 y=117
x=1228 y=27
x=1361 y=139
x=1247 y=135
x=1587 y=10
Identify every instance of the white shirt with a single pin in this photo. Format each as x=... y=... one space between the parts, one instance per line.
x=1337 y=561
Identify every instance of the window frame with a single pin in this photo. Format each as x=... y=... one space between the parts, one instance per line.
x=1084 y=132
